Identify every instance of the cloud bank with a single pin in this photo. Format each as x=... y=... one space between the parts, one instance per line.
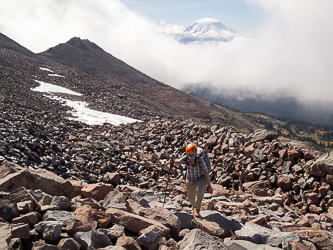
x=290 y=54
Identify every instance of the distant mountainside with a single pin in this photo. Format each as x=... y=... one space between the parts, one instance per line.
x=107 y=84
x=205 y=30
x=287 y=106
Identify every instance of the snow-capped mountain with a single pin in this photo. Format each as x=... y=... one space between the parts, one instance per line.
x=204 y=30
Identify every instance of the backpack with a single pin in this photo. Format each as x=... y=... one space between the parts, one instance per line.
x=204 y=156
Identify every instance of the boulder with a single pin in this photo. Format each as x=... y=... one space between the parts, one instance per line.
x=92 y=240
x=197 y=239
x=218 y=190
x=21 y=231
x=165 y=217
x=185 y=219
x=128 y=243
x=285 y=182
x=322 y=166
x=42 y=179
x=134 y=222
x=215 y=224
x=85 y=215
x=115 y=232
x=31 y=218
x=64 y=217
x=50 y=230
x=8 y=211
x=96 y=191
x=22 y=194
x=323 y=240
x=256 y=187
x=149 y=236
x=263 y=134
x=61 y=202
x=68 y=244
x=262 y=235
x=248 y=245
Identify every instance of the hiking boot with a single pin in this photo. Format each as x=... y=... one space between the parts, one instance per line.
x=196 y=214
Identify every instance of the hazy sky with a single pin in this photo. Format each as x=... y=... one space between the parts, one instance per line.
x=238 y=14
x=290 y=49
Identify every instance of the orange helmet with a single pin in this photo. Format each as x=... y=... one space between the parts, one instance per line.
x=191 y=149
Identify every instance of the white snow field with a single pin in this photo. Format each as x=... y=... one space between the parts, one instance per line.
x=81 y=111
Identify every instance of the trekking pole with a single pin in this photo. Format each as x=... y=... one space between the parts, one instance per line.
x=167 y=184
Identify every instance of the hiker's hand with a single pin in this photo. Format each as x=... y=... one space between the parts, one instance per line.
x=210 y=190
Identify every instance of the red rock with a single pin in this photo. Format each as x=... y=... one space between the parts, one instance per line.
x=293 y=154
x=285 y=182
x=72 y=138
x=101 y=217
x=218 y=190
x=114 y=178
x=96 y=191
x=134 y=222
x=78 y=226
x=30 y=218
x=249 y=150
x=261 y=221
x=283 y=153
x=312 y=198
x=128 y=243
x=85 y=214
x=294 y=245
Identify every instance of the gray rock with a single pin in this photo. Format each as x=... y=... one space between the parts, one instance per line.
x=165 y=217
x=322 y=166
x=69 y=244
x=247 y=245
x=62 y=202
x=21 y=231
x=263 y=134
x=198 y=240
x=9 y=211
x=213 y=216
x=115 y=232
x=112 y=197
x=262 y=235
x=50 y=230
x=64 y=217
x=92 y=240
x=148 y=237
x=15 y=244
x=184 y=218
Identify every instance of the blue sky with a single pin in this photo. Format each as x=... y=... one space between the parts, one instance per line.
x=239 y=15
x=289 y=50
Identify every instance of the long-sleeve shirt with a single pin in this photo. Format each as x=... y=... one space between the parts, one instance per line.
x=196 y=170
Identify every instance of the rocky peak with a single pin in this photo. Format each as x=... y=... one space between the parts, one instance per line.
x=84 y=44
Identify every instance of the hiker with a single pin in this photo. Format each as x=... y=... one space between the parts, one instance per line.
x=197 y=177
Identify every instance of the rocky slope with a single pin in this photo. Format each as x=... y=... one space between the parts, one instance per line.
x=107 y=84
x=67 y=185
x=97 y=186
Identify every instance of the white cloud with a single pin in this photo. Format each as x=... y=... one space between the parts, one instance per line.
x=291 y=52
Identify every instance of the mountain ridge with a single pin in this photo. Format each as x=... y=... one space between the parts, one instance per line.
x=107 y=85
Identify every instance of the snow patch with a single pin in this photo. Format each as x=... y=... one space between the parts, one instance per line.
x=48 y=87
x=46 y=69
x=56 y=75
x=92 y=117
x=81 y=112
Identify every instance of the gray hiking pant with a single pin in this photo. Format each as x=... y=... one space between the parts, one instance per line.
x=195 y=193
